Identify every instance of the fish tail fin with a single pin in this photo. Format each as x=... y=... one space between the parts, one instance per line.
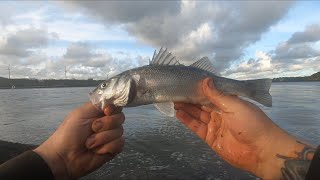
x=259 y=91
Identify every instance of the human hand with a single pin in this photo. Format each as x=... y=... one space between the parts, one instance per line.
x=85 y=140
x=241 y=133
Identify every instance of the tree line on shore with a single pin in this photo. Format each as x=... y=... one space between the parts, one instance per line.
x=313 y=77
x=6 y=83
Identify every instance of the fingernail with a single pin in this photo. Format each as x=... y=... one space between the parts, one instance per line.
x=97 y=125
x=90 y=142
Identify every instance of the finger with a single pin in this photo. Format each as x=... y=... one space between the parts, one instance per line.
x=114 y=147
x=217 y=97
x=209 y=108
x=178 y=105
x=104 y=137
x=195 y=125
x=213 y=127
x=194 y=111
x=108 y=122
x=112 y=109
x=86 y=111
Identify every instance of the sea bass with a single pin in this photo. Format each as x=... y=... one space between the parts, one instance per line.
x=165 y=81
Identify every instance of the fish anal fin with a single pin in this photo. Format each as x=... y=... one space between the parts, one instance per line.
x=204 y=64
x=166 y=108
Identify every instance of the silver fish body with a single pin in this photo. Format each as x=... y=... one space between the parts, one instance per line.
x=162 y=82
x=159 y=84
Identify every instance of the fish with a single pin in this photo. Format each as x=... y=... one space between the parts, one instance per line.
x=165 y=80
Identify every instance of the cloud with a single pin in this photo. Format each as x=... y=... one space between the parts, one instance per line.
x=22 y=49
x=102 y=38
x=296 y=55
x=192 y=29
x=6 y=14
x=264 y=66
x=310 y=34
x=289 y=52
x=85 y=61
x=22 y=43
x=125 y=11
x=299 y=45
x=261 y=64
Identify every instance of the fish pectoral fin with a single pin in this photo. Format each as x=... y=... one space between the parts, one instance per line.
x=204 y=64
x=166 y=108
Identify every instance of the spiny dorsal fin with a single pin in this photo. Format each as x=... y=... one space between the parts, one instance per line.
x=164 y=58
x=204 y=64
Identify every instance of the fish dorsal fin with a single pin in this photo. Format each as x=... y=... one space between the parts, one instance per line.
x=166 y=108
x=163 y=57
x=204 y=64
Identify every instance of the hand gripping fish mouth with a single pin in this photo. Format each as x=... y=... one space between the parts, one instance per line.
x=165 y=80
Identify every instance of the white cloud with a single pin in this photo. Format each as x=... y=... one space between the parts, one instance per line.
x=193 y=29
x=42 y=39
x=87 y=31
x=22 y=42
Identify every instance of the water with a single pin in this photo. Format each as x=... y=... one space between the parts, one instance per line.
x=157 y=147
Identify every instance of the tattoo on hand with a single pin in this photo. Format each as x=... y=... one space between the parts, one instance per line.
x=297 y=167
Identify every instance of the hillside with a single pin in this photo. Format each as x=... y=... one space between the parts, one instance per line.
x=313 y=77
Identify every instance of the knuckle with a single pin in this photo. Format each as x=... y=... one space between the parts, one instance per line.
x=107 y=126
x=121 y=131
x=107 y=122
x=103 y=150
x=122 y=117
x=121 y=141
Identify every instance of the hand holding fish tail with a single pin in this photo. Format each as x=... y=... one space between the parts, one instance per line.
x=245 y=136
x=85 y=140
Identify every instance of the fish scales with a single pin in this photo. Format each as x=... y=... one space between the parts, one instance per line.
x=167 y=83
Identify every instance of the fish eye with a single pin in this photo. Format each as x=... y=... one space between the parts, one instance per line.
x=103 y=85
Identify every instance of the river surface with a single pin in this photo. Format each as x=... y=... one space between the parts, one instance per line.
x=157 y=147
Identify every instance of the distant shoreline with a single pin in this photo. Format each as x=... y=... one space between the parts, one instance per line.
x=6 y=83
x=44 y=87
x=314 y=77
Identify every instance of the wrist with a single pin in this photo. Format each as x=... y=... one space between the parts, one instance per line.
x=54 y=161
x=280 y=147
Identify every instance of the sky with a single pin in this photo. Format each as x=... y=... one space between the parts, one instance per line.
x=99 y=39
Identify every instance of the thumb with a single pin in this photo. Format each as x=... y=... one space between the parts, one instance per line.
x=216 y=97
x=87 y=110
x=111 y=109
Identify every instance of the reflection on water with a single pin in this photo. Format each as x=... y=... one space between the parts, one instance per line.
x=157 y=147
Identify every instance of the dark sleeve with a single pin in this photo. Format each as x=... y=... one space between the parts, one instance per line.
x=28 y=165
x=314 y=169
